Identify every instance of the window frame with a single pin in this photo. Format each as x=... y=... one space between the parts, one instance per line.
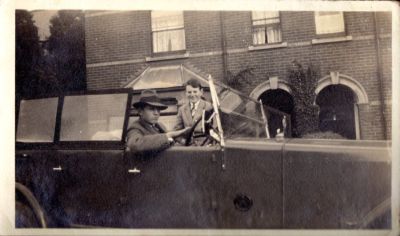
x=17 y=121
x=264 y=26
x=330 y=35
x=56 y=144
x=165 y=53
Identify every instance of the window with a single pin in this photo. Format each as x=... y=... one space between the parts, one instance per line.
x=329 y=22
x=266 y=27
x=168 y=31
x=93 y=117
x=37 y=120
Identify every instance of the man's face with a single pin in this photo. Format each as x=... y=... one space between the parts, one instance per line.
x=149 y=114
x=193 y=94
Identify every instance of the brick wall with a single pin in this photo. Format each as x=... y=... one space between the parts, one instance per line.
x=117 y=45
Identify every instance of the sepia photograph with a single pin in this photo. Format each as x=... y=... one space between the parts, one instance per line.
x=205 y=120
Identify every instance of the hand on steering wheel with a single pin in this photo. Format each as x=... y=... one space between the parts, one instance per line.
x=190 y=134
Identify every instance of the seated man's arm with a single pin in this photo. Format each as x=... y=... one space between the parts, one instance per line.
x=139 y=143
x=179 y=125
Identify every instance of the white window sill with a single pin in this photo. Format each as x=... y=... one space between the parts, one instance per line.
x=332 y=40
x=268 y=46
x=168 y=57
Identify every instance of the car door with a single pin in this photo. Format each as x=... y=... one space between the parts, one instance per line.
x=177 y=188
x=250 y=185
x=336 y=184
x=36 y=163
x=90 y=155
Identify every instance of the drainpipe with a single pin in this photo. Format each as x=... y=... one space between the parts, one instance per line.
x=380 y=76
x=223 y=45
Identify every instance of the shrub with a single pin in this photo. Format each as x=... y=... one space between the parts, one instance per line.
x=323 y=135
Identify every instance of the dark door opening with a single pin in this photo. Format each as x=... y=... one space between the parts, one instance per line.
x=280 y=100
x=336 y=104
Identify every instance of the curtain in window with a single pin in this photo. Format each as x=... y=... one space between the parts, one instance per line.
x=266 y=27
x=166 y=41
x=329 y=22
x=168 y=32
x=273 y=34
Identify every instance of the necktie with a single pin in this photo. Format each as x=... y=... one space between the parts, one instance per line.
x=192 y=109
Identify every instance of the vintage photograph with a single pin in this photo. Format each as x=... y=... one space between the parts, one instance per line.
x=203 y=119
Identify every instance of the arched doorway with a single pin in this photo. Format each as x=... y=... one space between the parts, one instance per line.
x=342 y=83
x=281 y=100
x=337 y=112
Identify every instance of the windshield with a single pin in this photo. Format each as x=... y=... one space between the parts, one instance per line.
x=242 y=117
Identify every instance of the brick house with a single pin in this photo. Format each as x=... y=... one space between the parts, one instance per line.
x=354 y=89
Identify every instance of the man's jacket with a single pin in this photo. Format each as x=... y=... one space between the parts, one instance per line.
x=144 y=138
x=185 y=119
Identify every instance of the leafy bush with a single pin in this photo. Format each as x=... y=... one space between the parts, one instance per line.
x=323 y=135
x=303 y=82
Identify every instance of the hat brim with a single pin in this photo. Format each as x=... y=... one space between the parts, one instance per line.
x=153 y=104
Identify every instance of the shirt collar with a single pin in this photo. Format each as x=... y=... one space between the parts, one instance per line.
x=196 y=104
x=146 y=123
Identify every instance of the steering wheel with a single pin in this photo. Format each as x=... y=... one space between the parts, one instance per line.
x=206 y=133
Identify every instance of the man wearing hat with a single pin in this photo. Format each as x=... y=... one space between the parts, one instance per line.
x=147 y=135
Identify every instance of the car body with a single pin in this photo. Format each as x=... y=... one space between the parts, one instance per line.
x=71 y=155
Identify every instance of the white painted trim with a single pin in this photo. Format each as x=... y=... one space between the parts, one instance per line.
x=206 y=54
x=268 y=46
x=300 y=44
x=169 y=57
x=332 y=40
x=378 y=103
x=133 y=82
x=354 y=85
x=357 y=121
x=265 y=86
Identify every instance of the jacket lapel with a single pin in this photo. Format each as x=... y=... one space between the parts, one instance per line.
x=149 y=129
x=188 y=114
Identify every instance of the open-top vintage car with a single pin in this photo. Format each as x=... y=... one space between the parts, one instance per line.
x=73 y=170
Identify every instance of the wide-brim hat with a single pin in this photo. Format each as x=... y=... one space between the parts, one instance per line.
x=149 y=97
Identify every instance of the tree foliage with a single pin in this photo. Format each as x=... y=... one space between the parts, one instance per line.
x=236 y=80
x=303 y=82
x=52 y=66
x=27 y=54
x=66 y=47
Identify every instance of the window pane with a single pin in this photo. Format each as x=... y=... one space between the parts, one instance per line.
x=166 y=41
x=273 y=34
x=160 y=77
x=259 y=36
x=240 y=117
x=164 y=20
x=257 y=15
x=329 y=22
x=37 y=120
x=93 y=117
